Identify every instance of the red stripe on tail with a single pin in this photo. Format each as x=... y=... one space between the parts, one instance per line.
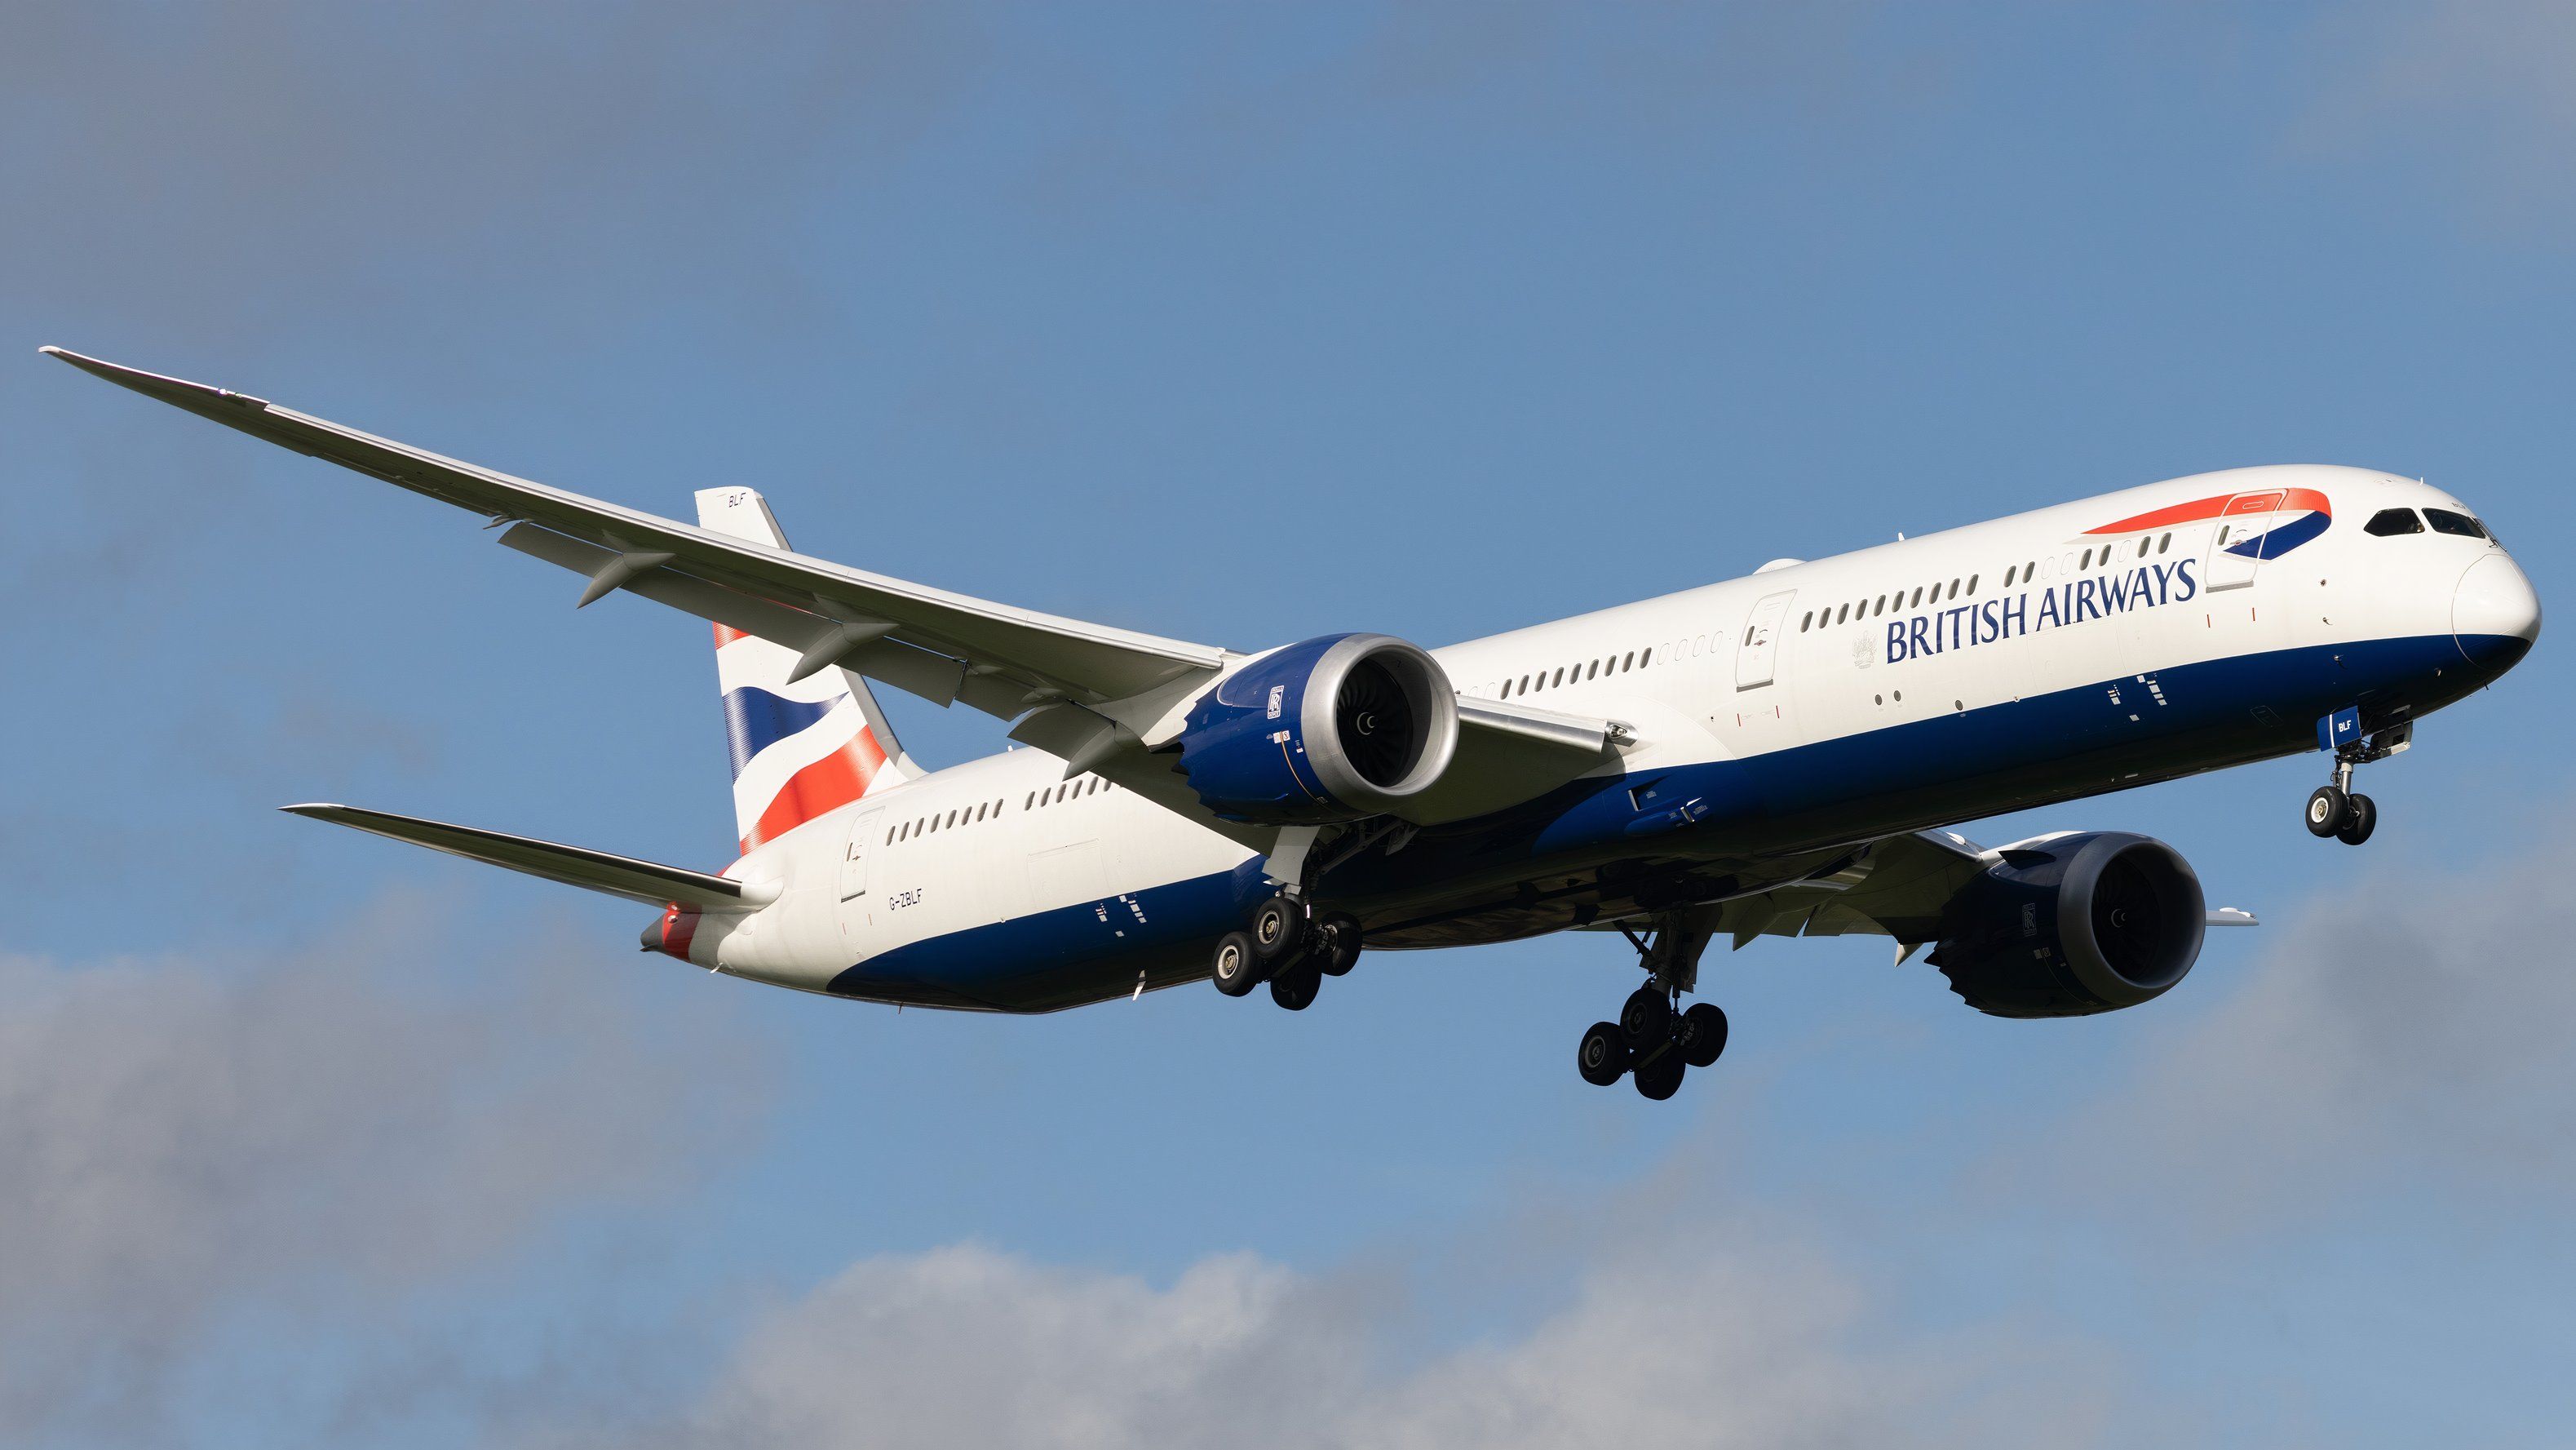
x=827 y=785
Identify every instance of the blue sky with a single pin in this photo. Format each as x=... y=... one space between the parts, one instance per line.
x=1241 y=326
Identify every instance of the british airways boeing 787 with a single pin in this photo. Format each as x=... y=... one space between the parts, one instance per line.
x=1775 y=754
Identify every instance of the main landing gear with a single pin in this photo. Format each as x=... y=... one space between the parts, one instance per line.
x=1291 y=948
x=1653 y=1041
x=2337 y=810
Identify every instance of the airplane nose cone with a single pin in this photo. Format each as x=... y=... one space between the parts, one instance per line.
x=2495 y=616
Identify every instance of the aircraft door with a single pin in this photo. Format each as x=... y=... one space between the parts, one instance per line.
x=2236 y=545
x=1758 y=647
x=853 y=889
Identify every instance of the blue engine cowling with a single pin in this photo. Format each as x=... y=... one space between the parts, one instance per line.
x=2072 y=925
x=1334 y=729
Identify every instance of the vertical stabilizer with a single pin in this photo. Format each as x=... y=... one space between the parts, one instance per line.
x=799 y=750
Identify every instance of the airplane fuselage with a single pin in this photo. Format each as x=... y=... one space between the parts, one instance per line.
x=1777 y=719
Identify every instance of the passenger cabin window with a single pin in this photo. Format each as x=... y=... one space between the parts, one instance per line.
x=2446 y=522
x=2393 y=521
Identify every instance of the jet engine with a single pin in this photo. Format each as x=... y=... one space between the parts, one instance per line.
x=2067 y=926
x=1334 y=729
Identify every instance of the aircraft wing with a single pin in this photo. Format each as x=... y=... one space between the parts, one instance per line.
x=1104 y=699
x=996 y=658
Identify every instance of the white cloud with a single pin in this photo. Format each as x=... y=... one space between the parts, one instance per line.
x=1733 y=1335
x=187 y=1138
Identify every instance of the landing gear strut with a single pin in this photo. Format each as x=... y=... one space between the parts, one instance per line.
x=2337 y=810
x=1289 y=946
x=1653 y=1042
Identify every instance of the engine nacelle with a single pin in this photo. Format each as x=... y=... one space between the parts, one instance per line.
x=1334 y=729
x=2073 y=925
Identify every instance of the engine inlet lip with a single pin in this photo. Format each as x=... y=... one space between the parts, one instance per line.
x=2164 y=867
x=1427 y=690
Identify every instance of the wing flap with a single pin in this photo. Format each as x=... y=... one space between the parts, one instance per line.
x=649 y=882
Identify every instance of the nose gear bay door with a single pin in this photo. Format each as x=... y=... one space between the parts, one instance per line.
x=2237 y=546
x=1759 y=644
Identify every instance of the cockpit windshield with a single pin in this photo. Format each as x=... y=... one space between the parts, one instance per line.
x=2446 y=522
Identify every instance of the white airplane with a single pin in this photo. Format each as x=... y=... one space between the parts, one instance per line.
x=1774 y=754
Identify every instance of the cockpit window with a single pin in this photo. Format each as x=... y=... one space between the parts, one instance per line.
x=2393 y=521
x=2446 y=522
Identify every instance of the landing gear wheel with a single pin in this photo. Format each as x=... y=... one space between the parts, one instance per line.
x=2328 y=809
x=1661 y=1077
x=1647 y=1021
x=1602 y=1057
x=2360 y=818
x=1337 y=947
x=1702 y=1036
x=1236 y=970
x=1278 y=927
x=1296 y=987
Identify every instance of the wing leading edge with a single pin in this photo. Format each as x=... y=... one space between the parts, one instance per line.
x=997 y=658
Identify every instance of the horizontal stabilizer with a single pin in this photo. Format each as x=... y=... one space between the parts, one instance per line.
x=646 y=881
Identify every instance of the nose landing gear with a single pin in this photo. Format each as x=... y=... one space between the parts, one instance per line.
x=1652 y=1042
x=2336 y=810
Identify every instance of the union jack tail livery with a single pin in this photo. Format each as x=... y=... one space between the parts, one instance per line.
x=800 y=749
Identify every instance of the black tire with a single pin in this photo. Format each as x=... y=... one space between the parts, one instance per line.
x=1238 y=971
x=1296 y=987
x=1338 y=943
x=1278 y=929
x=2360 y=818
x=1661 y=1077
x=2328 y=808
x=1601 y=1057
x=1703 y=1035
x=1647 y=1021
